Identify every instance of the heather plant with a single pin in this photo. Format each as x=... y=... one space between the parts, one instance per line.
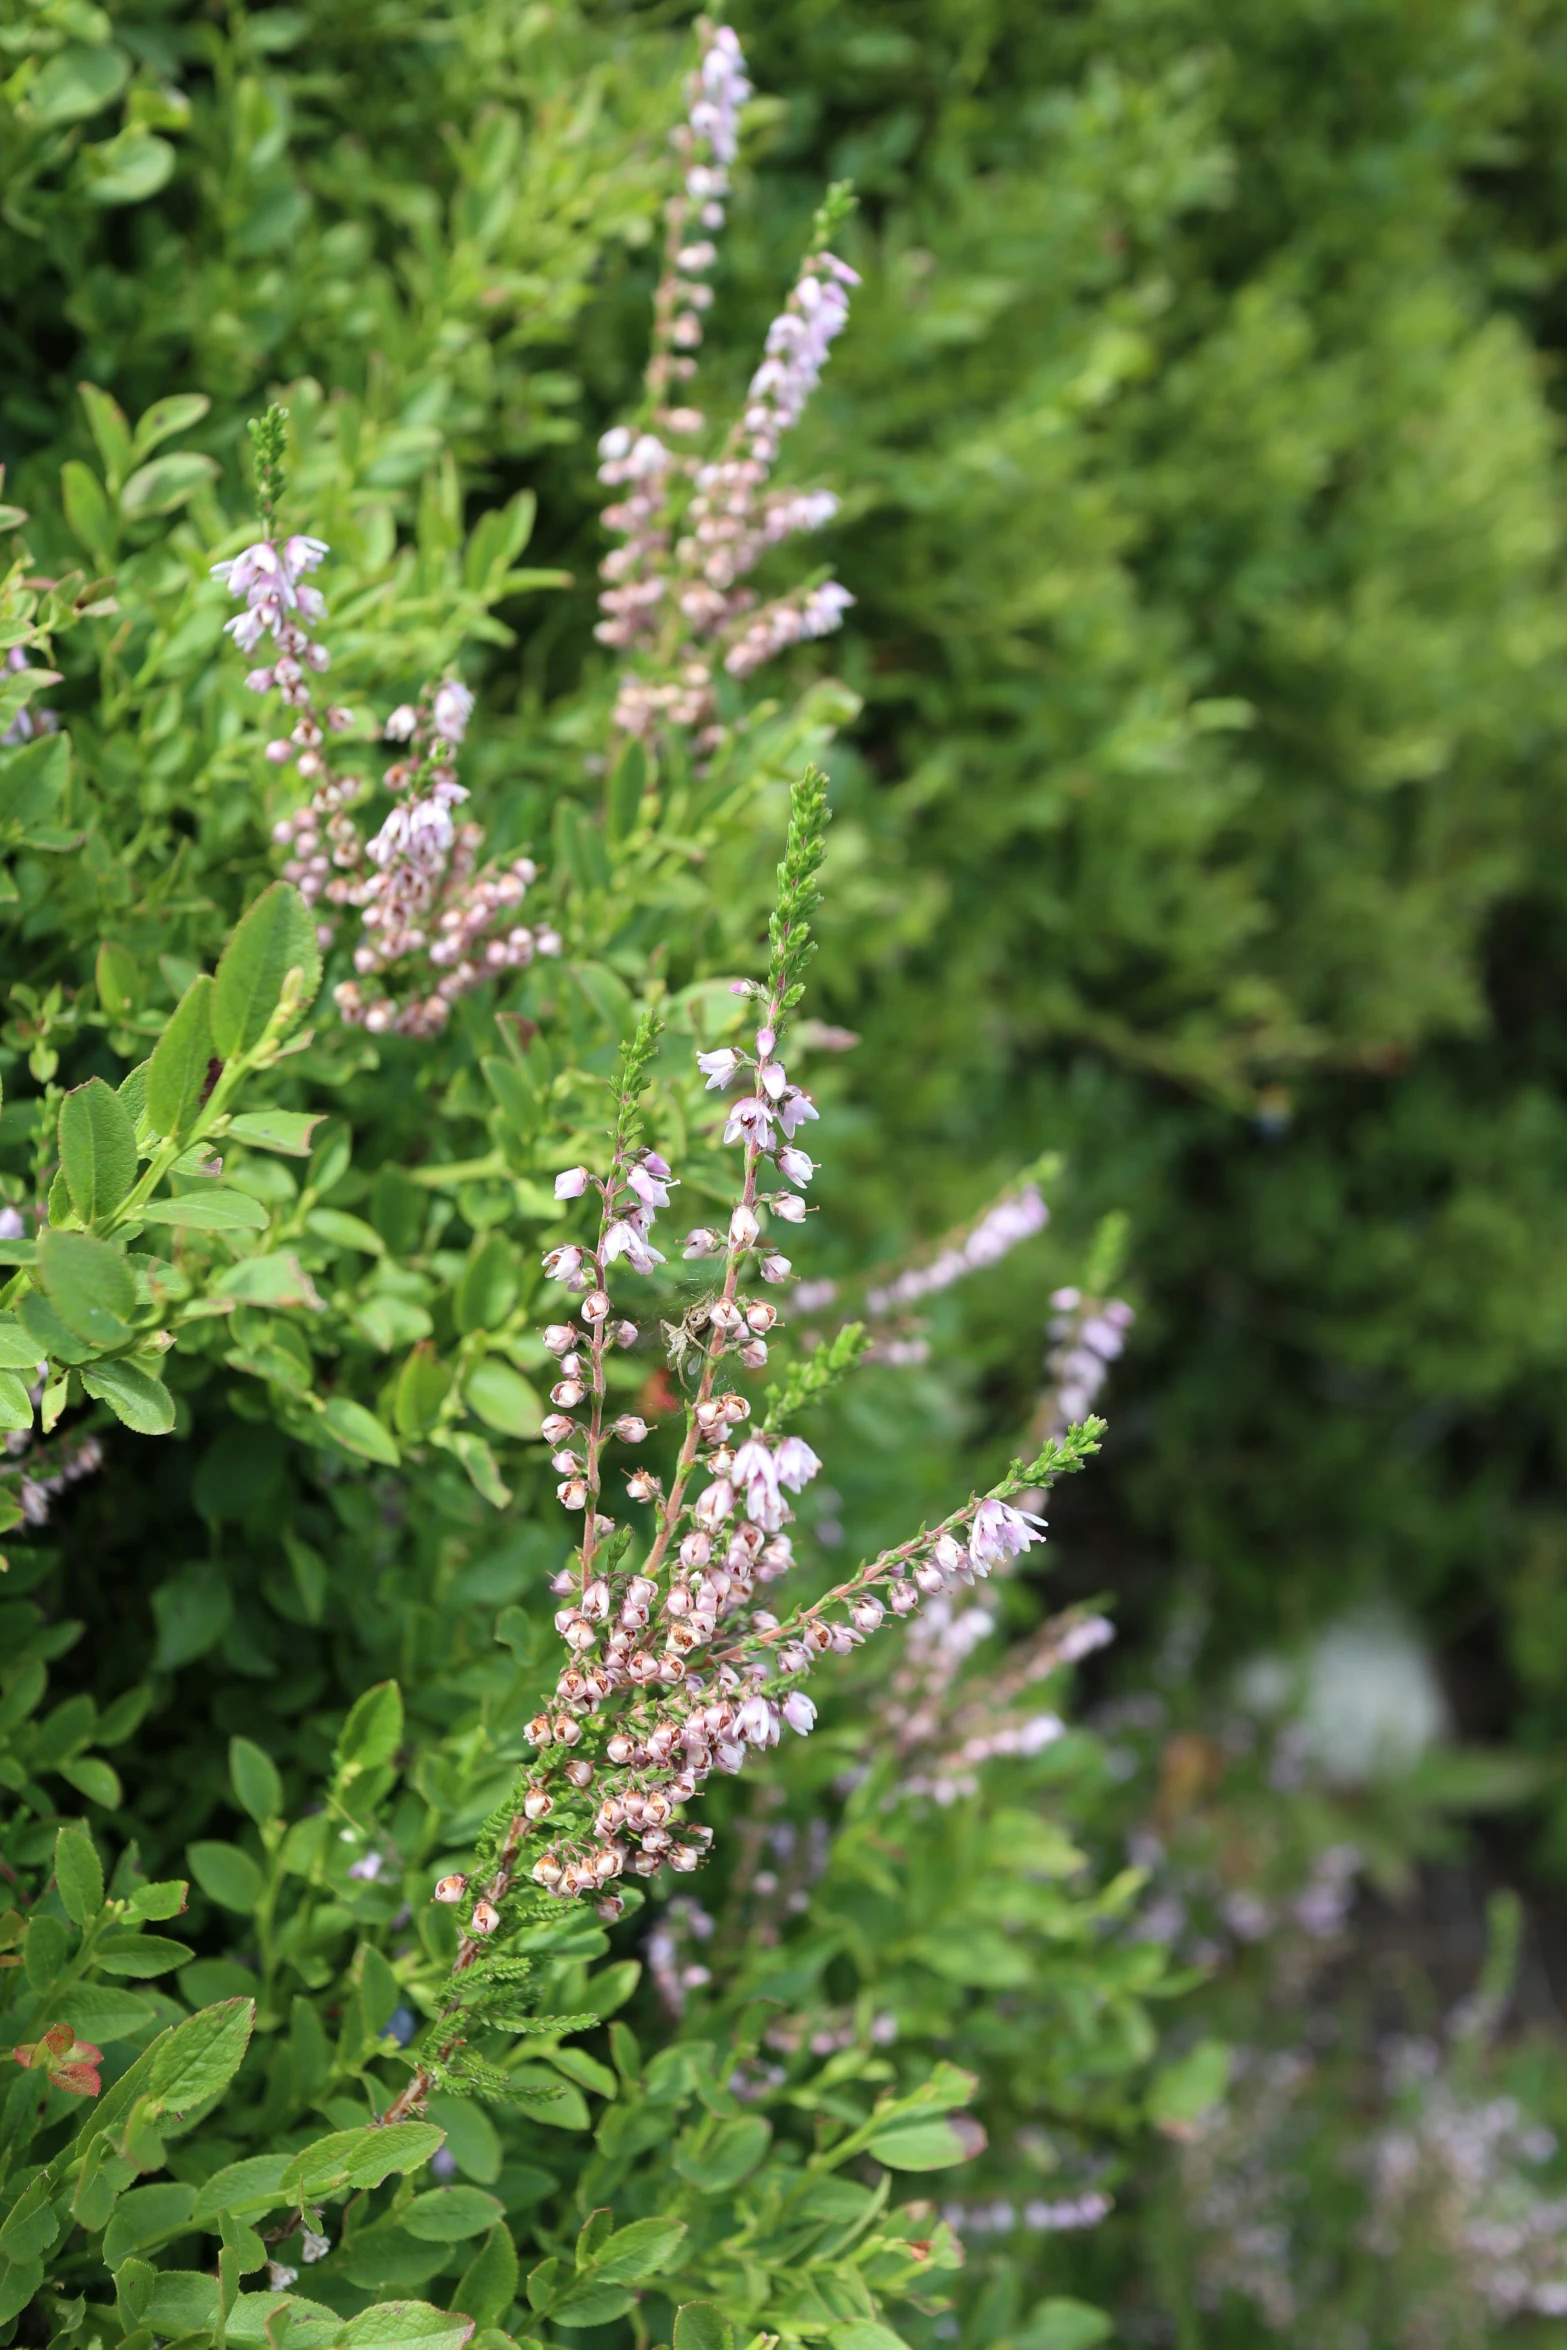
x=474 y=1671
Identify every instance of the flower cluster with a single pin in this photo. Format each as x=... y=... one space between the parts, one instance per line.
x=427 y=910
x=693 y=530
x=672 y=1670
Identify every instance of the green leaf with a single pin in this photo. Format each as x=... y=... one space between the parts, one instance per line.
x=513 y=1087
x=48 y=1333
x=127 y=170
x=88 y=514
x=729 y=2154
x=343 y=1231
x=202 y=2056
x=78 y=82
x=97 y=1150
x=184 y=2301
x=277 y=936
x=33 y=779
x=133 y=1395
x=18 y=1350
x=861 y=2334
x=488 y=2285
x=359 y=2158
x=638 y=2251
x=245 y=2188
x=1063 y=2325
x=357 y=1430
x=192 y=1610
x=78 y=1873
x=89 y=1284
x=447 y=2214
x=591 y=2303
x=145 y=2216
x=177 y=412
x=487 y=1290
x=480 y=1463
x=141 y=1955
x=503 y=1399
x=373 y=1731
x=701 y=2326
x=169 y=481
x=932 y=2142
x=253 y=1775
x=16 y=1409
x=110 y=431
x=277 y=1280
x=405 y=2325
x=181 y=1069
x=226 y=1875
x=97 y=2012
x=277 y=1130
x=1182 y=2093
x=217 y=1210
x=421 y=1390
x=91 y=1776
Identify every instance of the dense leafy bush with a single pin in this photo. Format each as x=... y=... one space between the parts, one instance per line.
x=1193 y=755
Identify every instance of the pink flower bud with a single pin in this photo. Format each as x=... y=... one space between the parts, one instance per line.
x=774 y=1268
x=485 y=1918
x=450 y=1889
x=630 y=1428
x=279 y=753
x=595 y=1307
x=572 y=1184
x=743 y=1227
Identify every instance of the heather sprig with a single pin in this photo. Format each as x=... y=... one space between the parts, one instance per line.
x=789 y=930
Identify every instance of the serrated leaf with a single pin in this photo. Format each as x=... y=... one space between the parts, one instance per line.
x=360 y=2158
x=245 y=2188
x=97 y=1150
x=202 y=2056
x=405 y=2325
x=638 y=2251
x=276 y=936
x=701 y=2326
x=135 y=1397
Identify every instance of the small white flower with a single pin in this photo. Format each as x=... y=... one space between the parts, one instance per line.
x=572 y=1183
